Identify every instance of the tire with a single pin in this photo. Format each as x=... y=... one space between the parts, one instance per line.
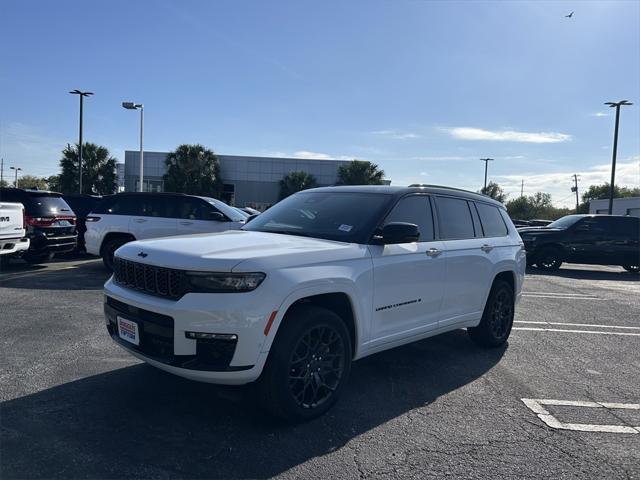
x=549 y=259
x=286 y=386
x=632 y=268
x=109 y=249
x=497 y=318
x=36 y=259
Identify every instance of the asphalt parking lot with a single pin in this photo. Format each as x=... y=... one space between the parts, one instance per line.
x=74 y=405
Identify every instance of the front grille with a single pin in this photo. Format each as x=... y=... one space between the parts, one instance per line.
x=158 y=281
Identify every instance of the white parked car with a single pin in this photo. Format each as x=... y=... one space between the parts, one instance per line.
x=13 y=241
x=325 y=277
x=125 y=217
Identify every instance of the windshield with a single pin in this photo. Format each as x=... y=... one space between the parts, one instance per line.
x=228 y=211
x=565 y=222
x=346 y=217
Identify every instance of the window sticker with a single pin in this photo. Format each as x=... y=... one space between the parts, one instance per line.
x=345 y=228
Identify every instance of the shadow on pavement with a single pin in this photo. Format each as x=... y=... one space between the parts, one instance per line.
x=582 y=274
x=84 y=275
x=141 y=422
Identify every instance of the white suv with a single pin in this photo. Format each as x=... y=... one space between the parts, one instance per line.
x=125 y=217
x=325 y=277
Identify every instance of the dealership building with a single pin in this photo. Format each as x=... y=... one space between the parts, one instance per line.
x=248 y=181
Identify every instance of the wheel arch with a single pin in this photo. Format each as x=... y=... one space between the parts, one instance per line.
x=111 y=235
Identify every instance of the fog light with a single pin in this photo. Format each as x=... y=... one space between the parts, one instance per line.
x=211 y=336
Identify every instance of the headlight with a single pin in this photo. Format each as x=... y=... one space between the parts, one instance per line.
x=204 y=282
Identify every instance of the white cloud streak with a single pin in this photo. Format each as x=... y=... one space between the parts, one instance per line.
x=396 y=135
x=471 y=133
x=318 y=156
x=599 y=114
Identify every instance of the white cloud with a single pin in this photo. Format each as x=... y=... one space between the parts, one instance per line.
x=470 y=133
x=318 y=156
x=396 y=135
x=599 y=114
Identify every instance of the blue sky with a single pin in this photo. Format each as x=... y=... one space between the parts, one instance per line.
x=423 y=88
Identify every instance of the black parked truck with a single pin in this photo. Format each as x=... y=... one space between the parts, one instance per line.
x=588 y=239
x=50 y=222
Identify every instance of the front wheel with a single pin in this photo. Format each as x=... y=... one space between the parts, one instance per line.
x=308 y=365
x=109 y=249
x=549 y=259
x=497 y=318
x=632 y=268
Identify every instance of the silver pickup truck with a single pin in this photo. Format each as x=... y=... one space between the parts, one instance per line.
x=12 y=230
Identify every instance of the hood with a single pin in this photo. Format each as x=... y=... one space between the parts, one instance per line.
x=538 y=230
x=221 y=252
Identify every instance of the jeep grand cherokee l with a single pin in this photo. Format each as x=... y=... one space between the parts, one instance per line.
x=325 y=277
x=590 y=239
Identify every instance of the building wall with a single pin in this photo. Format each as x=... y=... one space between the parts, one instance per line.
x=621 y=206
x=255 y=180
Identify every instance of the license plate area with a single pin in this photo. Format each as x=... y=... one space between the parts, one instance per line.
x=128 y=330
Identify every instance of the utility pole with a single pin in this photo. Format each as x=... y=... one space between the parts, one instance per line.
x=575 y=189
x=1 y=171
x=617 y=106
x=486 y=165
x=522 y=189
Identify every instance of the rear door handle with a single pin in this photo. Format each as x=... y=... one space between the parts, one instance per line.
x=140 y=220
x=186 y=223
x=433 y=252
x=486 y=248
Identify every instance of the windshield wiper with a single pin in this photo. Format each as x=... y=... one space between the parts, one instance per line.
x=288 y=232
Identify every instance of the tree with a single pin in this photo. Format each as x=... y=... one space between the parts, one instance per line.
x=294 y=182
x=29 y=181
x=535 y=206
x=53 y=183
x=598 y=192
x=360 y=172
x=98 y=170
x=4 y=183
x=193 y=169
x=494 y=191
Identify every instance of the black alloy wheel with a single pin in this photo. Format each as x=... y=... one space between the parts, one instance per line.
x=497 y=319
x=549 y=259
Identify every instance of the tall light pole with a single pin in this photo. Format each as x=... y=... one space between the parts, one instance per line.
x=617 y=106
x=15 y=182
x=486 y=165
x=135 y=106
x=81 y=95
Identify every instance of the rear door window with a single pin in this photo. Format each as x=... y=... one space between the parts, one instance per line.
x=158 y=206
x=123 y=205
x=454 y=218
x=492 y=223
x=414 y=209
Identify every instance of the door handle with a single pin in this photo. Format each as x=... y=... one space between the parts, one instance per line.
x=186 y=223
x=486 y=248
x=140 y=220
x=433 y=252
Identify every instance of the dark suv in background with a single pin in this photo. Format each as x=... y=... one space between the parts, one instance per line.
x=50 y=221
x=590 y=239
x=81 y=205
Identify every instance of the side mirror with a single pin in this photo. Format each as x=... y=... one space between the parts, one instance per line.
x=216 y=217
x=399 y=232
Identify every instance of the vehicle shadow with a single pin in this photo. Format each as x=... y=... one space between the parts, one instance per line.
x=86 y=275
x=583 y=274
x=141 y=422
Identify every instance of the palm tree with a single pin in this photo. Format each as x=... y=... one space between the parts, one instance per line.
x=193 y=169
x=360 y=172
x=98 y=170
x=294 y=182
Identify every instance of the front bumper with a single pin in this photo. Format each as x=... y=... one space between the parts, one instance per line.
x=163 y=324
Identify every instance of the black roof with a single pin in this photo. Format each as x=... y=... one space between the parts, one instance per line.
x=401 y=191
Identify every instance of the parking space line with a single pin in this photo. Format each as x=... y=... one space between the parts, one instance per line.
x=589 y=325
x=575 y=331
x=565 y=297
x=536 y=406
x=554 y=294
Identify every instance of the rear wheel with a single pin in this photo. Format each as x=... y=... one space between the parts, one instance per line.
x=549 y=259
x=632 y=268
x=109 y=249
x=497 y=318
x=308 y=365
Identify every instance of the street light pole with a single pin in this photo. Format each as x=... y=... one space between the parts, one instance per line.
x=15 y=182
x=81 y=95
x=617 y=106
x=486 y=165
x=135 y=106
